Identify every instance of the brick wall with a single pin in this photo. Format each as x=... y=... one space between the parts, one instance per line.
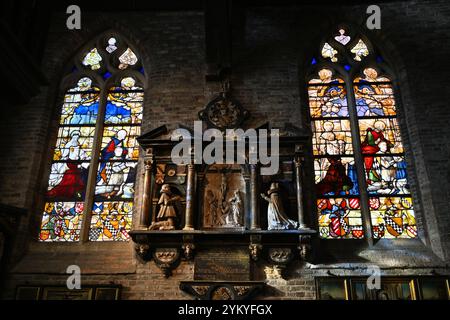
x=271 y=51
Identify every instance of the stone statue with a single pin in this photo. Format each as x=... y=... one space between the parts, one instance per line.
x=167 y=213
x=233 y=217
x=276 y=217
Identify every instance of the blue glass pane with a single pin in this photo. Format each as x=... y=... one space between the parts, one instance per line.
x=84 y=114
x=106 y=75
x=116 y=113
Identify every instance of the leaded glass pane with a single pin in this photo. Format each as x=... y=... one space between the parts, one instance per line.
x=360 y=50
x=393 y=217
x=381 y=135
x=111 y=221
x=332 y=137
x=61 y=221
x=335 y=176
x=92 y=59
x=340 y=218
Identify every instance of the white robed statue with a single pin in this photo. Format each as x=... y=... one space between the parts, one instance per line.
x=276 y=217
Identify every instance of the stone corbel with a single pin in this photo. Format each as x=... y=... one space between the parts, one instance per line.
x=166 y=259
x=280 y=258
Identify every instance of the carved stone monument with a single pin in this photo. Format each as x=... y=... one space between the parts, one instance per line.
x=224 y=191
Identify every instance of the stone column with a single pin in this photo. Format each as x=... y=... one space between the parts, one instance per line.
x=146 y=194
x=298 y=180
x=254 y=198
x=190 y=194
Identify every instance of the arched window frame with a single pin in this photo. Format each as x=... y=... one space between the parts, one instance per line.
x=105 y=78
x=348 y=69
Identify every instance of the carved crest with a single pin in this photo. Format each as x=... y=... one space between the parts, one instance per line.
x=223 y=112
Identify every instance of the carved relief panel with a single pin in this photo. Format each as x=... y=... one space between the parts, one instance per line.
x=223 y=197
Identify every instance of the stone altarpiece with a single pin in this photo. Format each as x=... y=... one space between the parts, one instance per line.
x=221 y=216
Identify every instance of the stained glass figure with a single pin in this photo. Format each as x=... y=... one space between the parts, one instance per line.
x=67 y=180
x=117 y=180
x=125 y=107
x=332 y=137
x=328 y=101
x=111 y=221
x=80 y=104
x=393 y=217
x=340 y=218
x=374 y=99
x=111 y=45
x=74 y=143
x=335 y=176
x=119 y=143
x=342 y=38
x=92 y=59
x=61 y=221
x=360 y=50
x=329 y=52
x=386 y=175
x=128 y=58
x=375 y=131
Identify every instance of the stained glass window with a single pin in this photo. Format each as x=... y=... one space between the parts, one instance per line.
x=106 y=201
x=390 y=201
x=111 y=220
x=336 y=182
x=70 y=166
x=358 y=147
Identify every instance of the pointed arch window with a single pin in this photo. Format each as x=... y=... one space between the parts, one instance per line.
x=361 y=181
x=91 y=182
